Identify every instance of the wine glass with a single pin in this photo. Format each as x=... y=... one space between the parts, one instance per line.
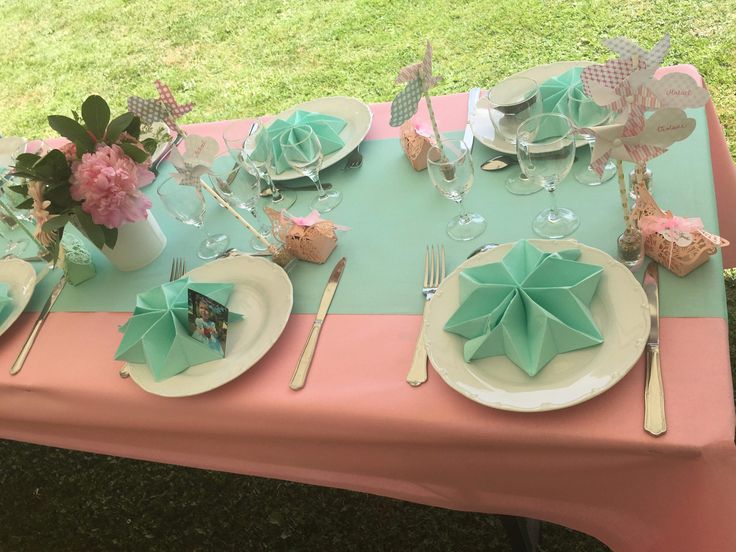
x=303 y=151
x=240 y=187
x=187 y=205
x=450 y=168
x=511 y=102
x=255 y=144
x=545 y=145
x=584 y=112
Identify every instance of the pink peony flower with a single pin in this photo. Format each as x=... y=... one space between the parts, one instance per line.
x=107 y=182
x=70 y=151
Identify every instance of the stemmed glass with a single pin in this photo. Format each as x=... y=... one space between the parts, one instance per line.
x=240 y=187
x=187 y=205
x=545 y=145
x=255 y=145
x=584 y=112
x=303 y=152
x=511 y=102
x=451 y=172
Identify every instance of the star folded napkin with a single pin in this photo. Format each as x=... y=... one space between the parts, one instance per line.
x=555 y=99
x=326 y=127
x=6 y=302
x=157 y=334
x=531 y=306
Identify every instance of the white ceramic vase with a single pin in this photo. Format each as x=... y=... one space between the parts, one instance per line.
x=139 y=244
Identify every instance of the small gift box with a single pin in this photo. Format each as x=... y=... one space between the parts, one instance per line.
x=415 y=141
x=679 y=244
x=309 y=238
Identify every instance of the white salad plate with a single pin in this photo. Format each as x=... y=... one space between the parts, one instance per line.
x=619 y=308
x=480 y=119
x=263 y=294
x=356 y=114
x=21 y=280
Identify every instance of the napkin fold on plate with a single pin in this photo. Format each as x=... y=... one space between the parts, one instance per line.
x=531 y=306
x=6 y=302
x=555 y=99
x=326 y=127
x=158 y=332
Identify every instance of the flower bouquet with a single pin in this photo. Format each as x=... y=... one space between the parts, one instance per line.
x=92 y=181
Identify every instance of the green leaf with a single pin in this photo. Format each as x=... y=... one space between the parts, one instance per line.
x=94 y=232
x=134 y=128
x=134 y=152
x=111 y=236
x=150 y=145
x=71 y=129
x=26 y=204
x=26 y=160
x=53 y=166
x=96 y=115
x=55 y=223
x=21 y=189
x=117 y=126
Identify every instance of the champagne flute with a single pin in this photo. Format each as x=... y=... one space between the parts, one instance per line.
x=255 y=145
x=187 y=205
x=545 y=145
x=511 y=102
x=584 y=112
x=451 y=171
x=303 y=151
x=240 y=188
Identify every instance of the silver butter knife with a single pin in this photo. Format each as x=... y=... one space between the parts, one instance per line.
x=18 y=364
x=655 y=421
x=305 y=360
x=468 y=137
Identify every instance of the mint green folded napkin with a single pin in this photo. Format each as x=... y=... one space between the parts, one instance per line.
x=531 y=306
x=78 y=265
x=157 y=334
x=6 y=302
x=555 y=99
x=326 y=127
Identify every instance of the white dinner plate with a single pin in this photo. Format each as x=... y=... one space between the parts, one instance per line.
x=262 y=292
x=21 y=280
x=356 y=114
x=620 y=310
x=480 y=120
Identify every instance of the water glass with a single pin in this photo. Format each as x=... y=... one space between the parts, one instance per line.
x=187 y=205
x=450 y=168
x=511 y=102
x=584 y=112
x=545 y=146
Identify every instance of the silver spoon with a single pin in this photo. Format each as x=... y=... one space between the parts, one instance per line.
x=483 y=249
x=499 y=163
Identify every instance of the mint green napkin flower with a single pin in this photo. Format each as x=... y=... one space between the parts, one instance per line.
x=6 y=302
x=157 y=334
x=326 y=127
x=531 y=306
x=555 y=99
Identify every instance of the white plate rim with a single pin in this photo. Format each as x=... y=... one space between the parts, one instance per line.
x=181 y=385
x=21 y=285
x=485 y=134
x=363 y=121
x=439 y=342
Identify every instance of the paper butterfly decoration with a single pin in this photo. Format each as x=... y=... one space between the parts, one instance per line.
x=199 y=154
x=625 y=48
x=420 y=79
x=164 y=109
x=661 y=130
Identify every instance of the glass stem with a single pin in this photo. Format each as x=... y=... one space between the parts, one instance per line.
x=275 y=193
x=317 y=183
x=591 y=144
x=553 y=215
x=463 y=211
x=252 y=208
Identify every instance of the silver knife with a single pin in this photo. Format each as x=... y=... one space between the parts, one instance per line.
x=18 y=364
x=473 y=96
x=655 y=421
x=305 y=360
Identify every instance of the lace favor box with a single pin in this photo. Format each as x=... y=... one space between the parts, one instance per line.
x=307 y=238
x=681 y=245
x=415 y=144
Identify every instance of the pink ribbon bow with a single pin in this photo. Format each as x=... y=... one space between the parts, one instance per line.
x=313 y=218
x=676 y=230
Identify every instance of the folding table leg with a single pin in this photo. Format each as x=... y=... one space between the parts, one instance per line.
x=523 y=533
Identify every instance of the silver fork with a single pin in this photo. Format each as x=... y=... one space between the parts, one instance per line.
x=355 y=159
x=434 y=273
x=178 y=267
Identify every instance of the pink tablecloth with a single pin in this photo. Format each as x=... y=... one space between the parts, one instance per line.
x=357 y=425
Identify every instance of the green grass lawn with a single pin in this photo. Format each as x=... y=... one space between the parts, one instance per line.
x=245 y=58
x=237 y=59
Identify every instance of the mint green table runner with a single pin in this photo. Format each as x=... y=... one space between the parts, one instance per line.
x=393 y=212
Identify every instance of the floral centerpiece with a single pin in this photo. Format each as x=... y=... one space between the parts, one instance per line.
x=92 y=181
